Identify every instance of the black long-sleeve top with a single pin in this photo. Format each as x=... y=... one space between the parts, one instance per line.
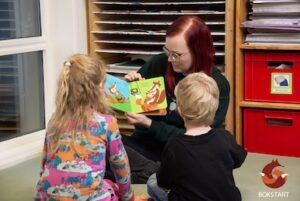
x=200 y=167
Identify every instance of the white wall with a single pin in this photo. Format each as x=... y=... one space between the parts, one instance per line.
x=64 y=34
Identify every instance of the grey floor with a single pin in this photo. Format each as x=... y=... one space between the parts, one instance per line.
x=17 y=183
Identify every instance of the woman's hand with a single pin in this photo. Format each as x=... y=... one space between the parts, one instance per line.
x=138 y=119
x=132 y=76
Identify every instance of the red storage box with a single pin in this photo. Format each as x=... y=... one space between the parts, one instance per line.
x=272 y=76
x=274 y=132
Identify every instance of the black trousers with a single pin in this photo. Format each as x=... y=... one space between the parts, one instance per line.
x=143 y=159
x=148 y=148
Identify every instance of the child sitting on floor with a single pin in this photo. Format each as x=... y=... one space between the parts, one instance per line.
x=198 y=165
x=80 y=134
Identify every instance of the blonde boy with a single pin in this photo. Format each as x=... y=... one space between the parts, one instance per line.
x=197 y=99
x=198 y=165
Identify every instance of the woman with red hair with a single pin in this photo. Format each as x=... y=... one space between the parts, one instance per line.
x=188 y=48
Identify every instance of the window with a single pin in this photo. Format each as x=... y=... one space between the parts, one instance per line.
x=22 y=108
x=19 y=19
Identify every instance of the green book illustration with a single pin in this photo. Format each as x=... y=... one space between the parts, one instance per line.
x=143 y=96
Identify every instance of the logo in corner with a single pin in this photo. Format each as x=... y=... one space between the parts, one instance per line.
x=272 y=176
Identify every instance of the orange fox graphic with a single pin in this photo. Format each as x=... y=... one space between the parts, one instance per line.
x=153 y=98
x=273 y=178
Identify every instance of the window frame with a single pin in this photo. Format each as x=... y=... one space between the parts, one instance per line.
x=23 y=147
x=57 y=17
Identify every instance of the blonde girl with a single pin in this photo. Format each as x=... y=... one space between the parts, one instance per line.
x=80 y=134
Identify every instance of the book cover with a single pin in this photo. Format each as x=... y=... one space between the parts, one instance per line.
x=144 y=96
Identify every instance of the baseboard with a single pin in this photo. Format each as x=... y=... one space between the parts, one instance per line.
x=20 y=149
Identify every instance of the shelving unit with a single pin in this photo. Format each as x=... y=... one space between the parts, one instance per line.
x=242 y=11
x=126 y=30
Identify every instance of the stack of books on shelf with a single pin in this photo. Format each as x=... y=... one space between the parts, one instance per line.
x=274 y=22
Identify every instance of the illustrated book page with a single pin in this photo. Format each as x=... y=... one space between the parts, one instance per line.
x=144 y=96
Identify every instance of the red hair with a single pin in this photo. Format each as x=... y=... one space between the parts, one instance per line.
x=200 y=43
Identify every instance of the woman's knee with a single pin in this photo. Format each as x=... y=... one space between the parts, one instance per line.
x=152 y=180
x=151 y=185
x=154 y=191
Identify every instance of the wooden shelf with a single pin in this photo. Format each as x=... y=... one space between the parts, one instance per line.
x=162 y=12
x=137 y=29
x=269 y=47
x=166 y=3
x=124 y=30
x=268 y=105
x=125 y=126
x=242 y=10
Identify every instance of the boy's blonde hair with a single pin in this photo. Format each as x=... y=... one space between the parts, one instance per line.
x=78 y=89
x=197 y=97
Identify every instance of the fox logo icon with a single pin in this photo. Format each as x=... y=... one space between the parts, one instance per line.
x=273 y=177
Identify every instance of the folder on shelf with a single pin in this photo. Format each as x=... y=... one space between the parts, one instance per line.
x=276 y=38
x=285 y=24
x=276 y=7
x=132 y=64
x=126 y=66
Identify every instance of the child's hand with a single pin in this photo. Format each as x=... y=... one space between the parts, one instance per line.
x=141 y=198
x=132 y=76
x=138 y=119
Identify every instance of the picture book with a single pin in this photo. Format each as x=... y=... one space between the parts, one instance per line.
x=143 y=96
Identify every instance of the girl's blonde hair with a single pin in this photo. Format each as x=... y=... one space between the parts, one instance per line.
x=78 y=90
x=197 y=97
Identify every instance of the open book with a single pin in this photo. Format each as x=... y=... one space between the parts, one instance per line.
x=143 y=96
